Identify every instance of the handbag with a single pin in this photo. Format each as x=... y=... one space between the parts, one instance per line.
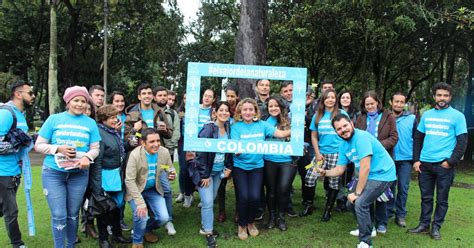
x=111 y=180
x=100 y=204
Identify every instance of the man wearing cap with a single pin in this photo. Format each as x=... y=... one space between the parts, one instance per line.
x=21 y=97
x=440 y=142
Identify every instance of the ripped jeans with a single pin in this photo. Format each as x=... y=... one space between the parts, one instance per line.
x=64 y=192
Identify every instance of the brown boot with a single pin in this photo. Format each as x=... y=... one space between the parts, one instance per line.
x=91 y=232
x=151 y=237
x=253 y=231
x=137 y=246
x=242 y=233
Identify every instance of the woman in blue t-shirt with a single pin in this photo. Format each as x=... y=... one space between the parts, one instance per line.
x=70 y=141
x=214 y=166
x=248 y=168
x=279 y=170
x=326 y=147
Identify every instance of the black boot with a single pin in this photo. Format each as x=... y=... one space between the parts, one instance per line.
x=340 y=206
x=271 y=220
x=281 y=222
x=104 y=244
x=332 y=193
x=307 y=208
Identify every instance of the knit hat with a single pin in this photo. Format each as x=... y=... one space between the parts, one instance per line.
x=74 y=91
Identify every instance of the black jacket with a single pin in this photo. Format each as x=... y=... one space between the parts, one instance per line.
x=109 y=158
x=211 y=130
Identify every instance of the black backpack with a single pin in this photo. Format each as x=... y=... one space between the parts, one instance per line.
x=15 y=136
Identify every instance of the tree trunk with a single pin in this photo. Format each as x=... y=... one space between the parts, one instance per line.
x=53 y=96
x=251 y=44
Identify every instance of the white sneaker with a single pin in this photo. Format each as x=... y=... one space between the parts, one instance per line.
x=363 y=245
x=180 y=198
x=200 y=205
x=188 y=201
x=356 y=233
x=170 y=228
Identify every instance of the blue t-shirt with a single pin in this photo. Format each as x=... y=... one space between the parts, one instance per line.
x=68 y=129
x=404 y=148
x=152 y=160
x=9 y=162
x=204 y=117
x=275 y=157
x=361 y=145
x=148 y=115
x=257 y=130
x=328 y=139
x=219 y=158
x=440 y=128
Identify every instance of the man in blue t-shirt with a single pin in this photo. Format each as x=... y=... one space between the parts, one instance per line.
x=144 y=188
x=375 y=168
x=403 y=156
x=440 y=142
x=145 y=114
x=22 y=97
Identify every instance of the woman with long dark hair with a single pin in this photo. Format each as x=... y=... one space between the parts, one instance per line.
x=279 y=170
x=326 y=147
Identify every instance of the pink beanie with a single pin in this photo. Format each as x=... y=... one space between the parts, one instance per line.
x=74 y=91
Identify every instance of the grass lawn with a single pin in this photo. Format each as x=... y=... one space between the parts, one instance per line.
x=457 y=231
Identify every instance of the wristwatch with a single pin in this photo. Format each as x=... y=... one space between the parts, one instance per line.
x=356 y=194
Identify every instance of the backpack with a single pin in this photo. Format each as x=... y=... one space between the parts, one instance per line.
x=15 y=136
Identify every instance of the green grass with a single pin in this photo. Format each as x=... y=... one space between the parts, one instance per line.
x=457 y=231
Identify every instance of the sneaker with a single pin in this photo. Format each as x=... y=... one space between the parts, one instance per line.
x=356 y=233
x=253 y=231
x=211 y=241
x=180 y=198
x=382 y=229
x=242 y=233
x=170 y=228
x=259 y=216
x=401 y=222
x=109 y=230
x=188 y=201
x=363 y=245
x=200 y=205
x=213 y=233
x=291 y=212
x=124 y=226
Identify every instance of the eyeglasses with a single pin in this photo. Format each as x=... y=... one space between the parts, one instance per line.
x=31 y=93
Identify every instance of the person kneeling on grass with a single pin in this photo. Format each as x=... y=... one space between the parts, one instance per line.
x=144 y=188
x=375 y=168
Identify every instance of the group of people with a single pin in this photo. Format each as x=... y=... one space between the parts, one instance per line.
x=103 y=156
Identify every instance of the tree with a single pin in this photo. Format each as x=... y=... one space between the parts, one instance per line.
x=53 y=96
x=251 y=45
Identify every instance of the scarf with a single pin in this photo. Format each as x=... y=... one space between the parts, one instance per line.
x=372 y=122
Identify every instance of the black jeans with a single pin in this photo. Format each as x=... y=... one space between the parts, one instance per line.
x=111 y=218
x=307 y=193
x=9 y=208
x=278 y=180
x=249 y=184
x=432 y=176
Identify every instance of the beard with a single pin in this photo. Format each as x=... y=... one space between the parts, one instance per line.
x=442 y=104
x=350 y=136
x=162 y=105
x=397 y=112
x=27 y=104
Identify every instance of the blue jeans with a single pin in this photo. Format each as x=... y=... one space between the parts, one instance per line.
x=434 y=176
x=64 y=192
x=249 y=184
x=373 y=189
x=141 y=225
x=165 y=184
x=208 y=194
x=397 y=205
